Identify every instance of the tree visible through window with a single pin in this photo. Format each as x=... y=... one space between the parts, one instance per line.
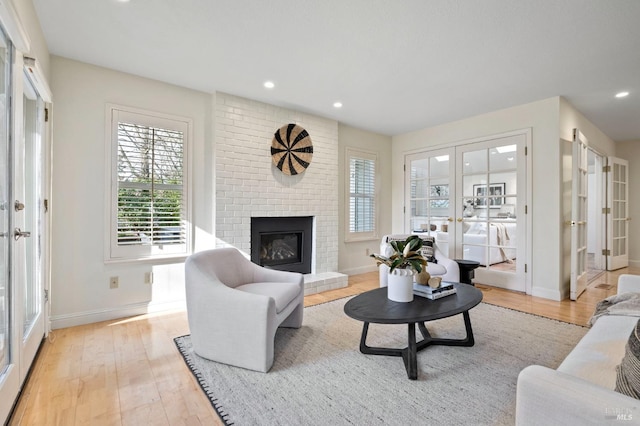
x=150 y=198
x=362 y=195
x=149 y=185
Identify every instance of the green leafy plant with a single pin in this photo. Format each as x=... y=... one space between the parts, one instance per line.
x=406 y=255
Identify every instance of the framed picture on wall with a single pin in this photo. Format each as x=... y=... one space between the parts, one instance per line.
x=492 y=198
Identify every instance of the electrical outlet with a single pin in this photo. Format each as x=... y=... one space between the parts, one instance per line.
x=113 y=282
x=148 y=277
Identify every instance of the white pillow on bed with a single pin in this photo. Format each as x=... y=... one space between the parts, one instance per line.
x=477 y=228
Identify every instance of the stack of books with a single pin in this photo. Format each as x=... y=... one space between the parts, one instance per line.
x=445 y=289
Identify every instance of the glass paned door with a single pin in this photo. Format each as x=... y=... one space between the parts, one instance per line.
x=430 y=184
x=28 y=249
x=5 y=195
x=489 y=228
x=618 y=220
x=33 y=108
x=9 y=373
x=579 y=210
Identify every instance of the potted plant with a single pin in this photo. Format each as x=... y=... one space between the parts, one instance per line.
x=403 y=263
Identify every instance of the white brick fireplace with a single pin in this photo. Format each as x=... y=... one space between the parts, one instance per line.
x=249 y=185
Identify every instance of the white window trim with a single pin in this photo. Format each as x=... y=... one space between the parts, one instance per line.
x=150 y=118
x=360 y=236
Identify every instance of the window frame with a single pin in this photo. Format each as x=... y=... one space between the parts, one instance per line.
x=356 y=153
x=113 y=251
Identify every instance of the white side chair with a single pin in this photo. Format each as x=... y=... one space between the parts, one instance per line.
x=235 y=306
x=446 y=268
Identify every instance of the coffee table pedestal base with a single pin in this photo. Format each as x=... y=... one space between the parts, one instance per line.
x=409 y=354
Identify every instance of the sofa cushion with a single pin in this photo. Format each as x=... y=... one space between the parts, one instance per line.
x=597 y=355
x=436 y=269
x=282 y=293
x=427 y=250
x=628 y=377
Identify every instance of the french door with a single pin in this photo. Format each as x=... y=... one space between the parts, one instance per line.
x=472 y=199
x=30 y=239
x=430 y=180
x=618 y=220
x=22 y=217
x=579 y=210
x=9 y=373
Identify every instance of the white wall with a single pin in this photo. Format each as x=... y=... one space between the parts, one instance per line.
x=79 y=278
x=568 y=119
x=80 y=290
x=248 y=184
x=545 y=207
x=31 y=24
x=352 y=257
x=552 y=122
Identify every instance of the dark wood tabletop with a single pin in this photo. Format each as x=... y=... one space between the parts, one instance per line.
x=374 y=306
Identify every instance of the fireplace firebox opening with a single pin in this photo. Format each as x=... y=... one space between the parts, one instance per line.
x=282 y=243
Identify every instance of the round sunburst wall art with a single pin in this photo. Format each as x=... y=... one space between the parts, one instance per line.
x=291 y=149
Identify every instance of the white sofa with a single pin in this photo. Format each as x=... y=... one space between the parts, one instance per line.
x=446 y=268
x=581 y=390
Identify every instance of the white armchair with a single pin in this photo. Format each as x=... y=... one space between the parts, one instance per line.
x=235 y=306
x=446 y=268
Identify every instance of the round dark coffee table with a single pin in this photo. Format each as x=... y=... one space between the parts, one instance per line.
x=374 y=307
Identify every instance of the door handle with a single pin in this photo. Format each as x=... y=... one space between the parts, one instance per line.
x=17 y=233
x=18 y=206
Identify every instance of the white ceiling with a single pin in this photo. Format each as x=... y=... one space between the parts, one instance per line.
x=397 y=66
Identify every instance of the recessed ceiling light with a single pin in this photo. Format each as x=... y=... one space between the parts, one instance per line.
x=622 y=94
x=269 y=84
x=122 y=1
x=337 y=104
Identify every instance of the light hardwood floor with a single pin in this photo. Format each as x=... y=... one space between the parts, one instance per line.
x=129 y=372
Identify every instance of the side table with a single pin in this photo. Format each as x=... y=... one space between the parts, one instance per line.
x=467 y=269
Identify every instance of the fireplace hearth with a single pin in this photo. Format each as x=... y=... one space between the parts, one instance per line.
x=282 y=243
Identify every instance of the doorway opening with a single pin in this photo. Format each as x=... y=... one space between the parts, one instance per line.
x=596 y=236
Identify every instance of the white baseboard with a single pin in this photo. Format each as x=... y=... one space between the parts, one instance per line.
x=360 y=270
x=547 y=293
x=634 y=263
x=89 y=317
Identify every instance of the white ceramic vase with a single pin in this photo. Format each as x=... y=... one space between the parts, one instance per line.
x=400 y=285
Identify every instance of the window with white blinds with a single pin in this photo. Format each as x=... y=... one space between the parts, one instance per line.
x=149 y=186
x=362 y=195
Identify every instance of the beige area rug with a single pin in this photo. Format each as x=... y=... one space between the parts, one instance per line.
x=320 y=377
